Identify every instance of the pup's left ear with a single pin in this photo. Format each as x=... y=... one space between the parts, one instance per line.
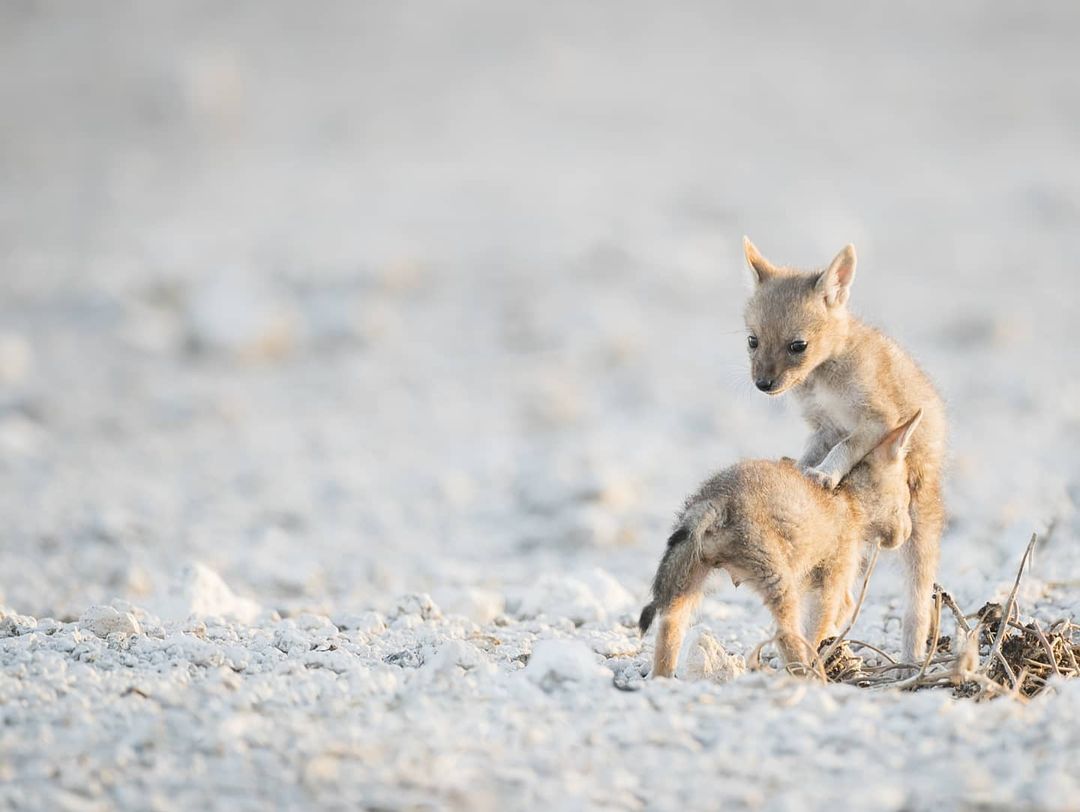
x=835 y=282
x=894 y=445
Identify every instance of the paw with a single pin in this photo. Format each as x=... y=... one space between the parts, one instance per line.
x=823 y=478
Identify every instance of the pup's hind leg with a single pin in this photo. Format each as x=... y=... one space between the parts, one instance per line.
x=669 y=637
x=675 y=617
x=921 y=554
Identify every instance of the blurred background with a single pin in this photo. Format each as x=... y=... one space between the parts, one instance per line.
x=352 y=299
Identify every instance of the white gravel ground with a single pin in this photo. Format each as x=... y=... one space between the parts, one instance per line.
x=353 y=363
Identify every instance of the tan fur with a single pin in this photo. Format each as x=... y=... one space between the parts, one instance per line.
x=851 y=382
x=770 y=527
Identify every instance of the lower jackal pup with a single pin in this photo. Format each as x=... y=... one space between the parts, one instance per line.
x=769 y=526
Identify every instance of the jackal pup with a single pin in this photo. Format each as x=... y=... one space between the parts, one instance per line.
x=770 y=527
x=852 y=383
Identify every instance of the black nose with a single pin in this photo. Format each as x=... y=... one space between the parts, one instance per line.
x=765 y=384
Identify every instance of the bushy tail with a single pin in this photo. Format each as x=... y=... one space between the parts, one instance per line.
x=681 y=561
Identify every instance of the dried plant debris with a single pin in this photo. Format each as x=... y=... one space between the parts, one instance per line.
x=841 y=664
x=1034 y=655
x=1000 y=655
x=989 y=617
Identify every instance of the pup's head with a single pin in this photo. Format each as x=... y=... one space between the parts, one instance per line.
x=882 y=477
x=794 y=320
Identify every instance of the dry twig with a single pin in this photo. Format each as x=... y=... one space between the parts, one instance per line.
x=995 y=650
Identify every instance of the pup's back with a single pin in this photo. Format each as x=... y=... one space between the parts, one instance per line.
x=770 y=504
x=769 y=527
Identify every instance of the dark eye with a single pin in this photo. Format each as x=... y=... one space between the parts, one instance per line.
x=752 y=342
x=797 y=346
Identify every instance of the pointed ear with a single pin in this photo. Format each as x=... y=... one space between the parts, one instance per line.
x=761 y=267
x=894 y=445
x=835 y=282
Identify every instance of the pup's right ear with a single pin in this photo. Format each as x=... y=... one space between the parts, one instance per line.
x=761 y=267
x=894 y=445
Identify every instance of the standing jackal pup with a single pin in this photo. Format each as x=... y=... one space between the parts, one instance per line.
x=772 y=528
x=852 y=384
